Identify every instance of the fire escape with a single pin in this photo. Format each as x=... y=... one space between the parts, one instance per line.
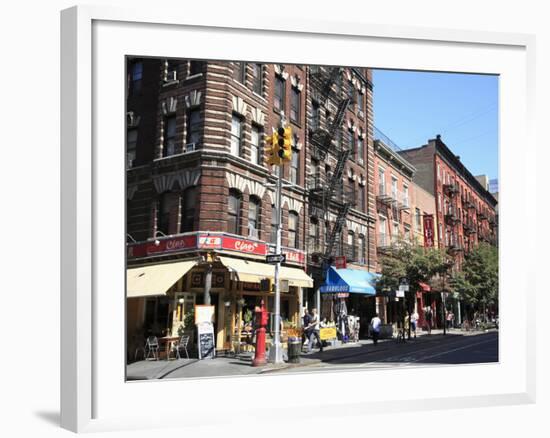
x=329 y=192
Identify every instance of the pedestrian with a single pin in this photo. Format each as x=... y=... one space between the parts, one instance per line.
x=306 y=319
x=449 y=320
x=428 y=318
x=375 y=323
x=314 y=331
x=414 y=321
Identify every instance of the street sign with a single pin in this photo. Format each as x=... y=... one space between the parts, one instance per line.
x=275 y=258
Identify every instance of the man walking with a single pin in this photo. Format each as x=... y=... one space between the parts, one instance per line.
x=314 y=333
x=375 y=323
x=306 y=319
x=428 y=317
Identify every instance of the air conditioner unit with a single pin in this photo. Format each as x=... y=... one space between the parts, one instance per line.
x=190 y=147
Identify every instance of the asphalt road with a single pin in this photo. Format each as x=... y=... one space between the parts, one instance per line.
x=451 y=349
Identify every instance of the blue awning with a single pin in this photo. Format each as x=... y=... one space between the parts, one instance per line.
x=349 y=280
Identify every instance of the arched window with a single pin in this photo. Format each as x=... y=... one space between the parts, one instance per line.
x=293 y=235
x=234 y=212
x=254 y=221
x=189 y=200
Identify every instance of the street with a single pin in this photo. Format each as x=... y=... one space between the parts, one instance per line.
x=454 y=348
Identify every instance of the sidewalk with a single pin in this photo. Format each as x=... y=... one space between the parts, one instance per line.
x=242 y=364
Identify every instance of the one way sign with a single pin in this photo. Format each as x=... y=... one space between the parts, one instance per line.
x=275 y=258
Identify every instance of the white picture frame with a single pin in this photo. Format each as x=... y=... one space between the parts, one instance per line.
x=93 y=396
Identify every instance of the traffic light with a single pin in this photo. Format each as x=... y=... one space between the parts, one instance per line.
x=284 y=142
x=272 y=149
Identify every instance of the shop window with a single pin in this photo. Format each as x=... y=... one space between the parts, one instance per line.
x=293 y=235
x=234 y=212
x=254 y=217
x=188 y=209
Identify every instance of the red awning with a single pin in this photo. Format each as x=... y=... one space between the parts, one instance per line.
x=425 y=287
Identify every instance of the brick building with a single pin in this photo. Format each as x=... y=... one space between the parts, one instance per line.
x=200 y=197
x=465 y=210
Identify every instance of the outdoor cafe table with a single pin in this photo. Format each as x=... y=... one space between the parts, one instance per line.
x=168 y=341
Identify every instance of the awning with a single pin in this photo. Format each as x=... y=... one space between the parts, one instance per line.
x=253 y=272
x=349 y=280
x=155 y=279
x=424 y=287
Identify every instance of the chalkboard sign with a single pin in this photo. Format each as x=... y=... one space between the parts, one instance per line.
x=206 y=343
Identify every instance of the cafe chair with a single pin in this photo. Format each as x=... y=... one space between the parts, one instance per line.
x=152 y=346
x=184 y=340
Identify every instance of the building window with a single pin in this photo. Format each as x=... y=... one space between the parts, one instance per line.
x=234 y=212
x=395 y=232
x=171 y=71
x=193 y=128
x=295 y=165
x=279 y=100
x=315 y=116
x=293 y=235
x=239 y=72
x=439 y=202
x=169 y=136
x=257 y=78
x=407 y=231
x=273 y=235
x=136 y=76
x=131 y=143
x=188 y=209
x=254 y=217
x=338 y=138
x=361 y=254
x=405 y=195
x=418 y=216
x=295 y=103
x=360 y=102
x=350 y=253
x=314 y=244
x=360 y=150
x=351 y=143
x=382 y=232
x=361 y=198
x=236 y=135
x=381 y=182
x=255 y=152
x=195 y=67
x=438 y=172
x=167 y=210
x=394 y=187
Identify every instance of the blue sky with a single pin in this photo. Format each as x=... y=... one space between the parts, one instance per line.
x=411 y=107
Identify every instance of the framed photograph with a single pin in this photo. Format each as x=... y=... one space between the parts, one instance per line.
x=177 y=195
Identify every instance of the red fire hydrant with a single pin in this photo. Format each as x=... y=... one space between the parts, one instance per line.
x=261 y=323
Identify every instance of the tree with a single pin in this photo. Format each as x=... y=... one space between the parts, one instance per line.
x=415 y=263
x=477 y=284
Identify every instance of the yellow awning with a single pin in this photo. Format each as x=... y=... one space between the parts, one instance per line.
x=254 y=272
x=155 y=279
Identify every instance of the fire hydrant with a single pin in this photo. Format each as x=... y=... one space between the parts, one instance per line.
x=261 y=323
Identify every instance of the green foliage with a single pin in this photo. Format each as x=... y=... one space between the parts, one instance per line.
x=477 y=284
x=247 y=316
x=189 y=319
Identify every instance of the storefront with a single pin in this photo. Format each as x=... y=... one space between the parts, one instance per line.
x=348 y=293
x=162 y=294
